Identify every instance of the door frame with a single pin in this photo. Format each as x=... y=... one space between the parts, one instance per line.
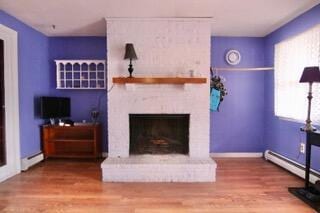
x=11 y=85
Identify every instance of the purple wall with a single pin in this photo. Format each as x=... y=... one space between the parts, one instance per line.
x=233 y=111
x=283 y=136
x=33 y=80
x=238 y=126
x=82 y=101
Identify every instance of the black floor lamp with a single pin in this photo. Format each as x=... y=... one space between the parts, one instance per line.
x=310 y=194
x=309 y=75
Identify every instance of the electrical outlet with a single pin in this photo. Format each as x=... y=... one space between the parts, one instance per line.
x=302 y=148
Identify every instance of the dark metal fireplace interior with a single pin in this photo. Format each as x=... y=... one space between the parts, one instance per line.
x=159 y=133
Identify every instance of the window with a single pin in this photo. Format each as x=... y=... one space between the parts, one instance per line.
x=291 y=56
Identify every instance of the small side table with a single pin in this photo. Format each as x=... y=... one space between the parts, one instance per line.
x=308 y=193
x=313 y=138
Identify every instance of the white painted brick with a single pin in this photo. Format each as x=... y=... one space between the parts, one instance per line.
x=159 y=168
x=164 y=48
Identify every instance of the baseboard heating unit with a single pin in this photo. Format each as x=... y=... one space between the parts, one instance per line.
x=27 y=162
x=290 y=165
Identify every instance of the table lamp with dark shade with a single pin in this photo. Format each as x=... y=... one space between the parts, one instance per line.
x=130 y=54
x=309 y=75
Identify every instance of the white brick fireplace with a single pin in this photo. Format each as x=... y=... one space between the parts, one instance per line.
x=166 y=48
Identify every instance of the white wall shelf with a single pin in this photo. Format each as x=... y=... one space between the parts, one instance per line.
x=81 y=74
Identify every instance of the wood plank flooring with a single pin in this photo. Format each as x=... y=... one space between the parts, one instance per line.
x=243 y=186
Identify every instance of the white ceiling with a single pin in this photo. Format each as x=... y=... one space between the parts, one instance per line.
x=86 y=18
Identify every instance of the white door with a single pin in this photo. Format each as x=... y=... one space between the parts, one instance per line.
x=9 y=96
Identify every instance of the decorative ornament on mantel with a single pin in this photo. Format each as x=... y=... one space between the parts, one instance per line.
x=131 y=55
x=217 y=90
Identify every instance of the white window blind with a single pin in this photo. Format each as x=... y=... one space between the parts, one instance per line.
x=291 y=56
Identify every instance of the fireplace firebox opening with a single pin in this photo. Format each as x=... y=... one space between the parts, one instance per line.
x=159 y=133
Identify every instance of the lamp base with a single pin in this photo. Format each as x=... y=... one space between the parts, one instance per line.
x=130 y=69
x=309 y=195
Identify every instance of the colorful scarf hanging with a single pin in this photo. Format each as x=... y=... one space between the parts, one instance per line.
x=217 y=91
x=214 y=100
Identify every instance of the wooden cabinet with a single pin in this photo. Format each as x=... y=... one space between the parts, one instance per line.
x=83 y=141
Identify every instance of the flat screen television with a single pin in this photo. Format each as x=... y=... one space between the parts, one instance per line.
x=54 y=107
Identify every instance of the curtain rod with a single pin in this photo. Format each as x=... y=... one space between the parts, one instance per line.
x=242 y=68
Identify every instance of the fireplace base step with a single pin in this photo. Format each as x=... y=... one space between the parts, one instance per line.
x=158 y=168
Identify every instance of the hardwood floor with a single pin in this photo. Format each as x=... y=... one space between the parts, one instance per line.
x=243 y=185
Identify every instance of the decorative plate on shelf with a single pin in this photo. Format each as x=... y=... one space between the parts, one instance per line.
x=233 y=57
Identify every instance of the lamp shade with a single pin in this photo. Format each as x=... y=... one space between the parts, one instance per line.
x=310 y=75
x=130 y=53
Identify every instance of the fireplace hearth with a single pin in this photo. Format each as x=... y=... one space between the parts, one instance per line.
x=159 y=133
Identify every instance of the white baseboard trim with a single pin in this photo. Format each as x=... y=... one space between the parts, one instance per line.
x=237 y=155
x=290 y=165
x=27 y=162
